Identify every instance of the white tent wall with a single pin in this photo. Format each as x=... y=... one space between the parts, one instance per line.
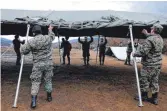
x=120 y=53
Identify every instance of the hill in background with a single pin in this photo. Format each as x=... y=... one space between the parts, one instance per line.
x=111 y=42
x=5 y=42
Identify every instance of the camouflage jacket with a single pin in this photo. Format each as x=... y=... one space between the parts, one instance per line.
x=66 y=46
x=40 y=46
x=151 y=51
x=129 y=48
x=85 y=45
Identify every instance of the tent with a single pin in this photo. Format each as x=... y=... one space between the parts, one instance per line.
x=109 y=52
x=118 y=28
x=81 y=23
x=85 y=28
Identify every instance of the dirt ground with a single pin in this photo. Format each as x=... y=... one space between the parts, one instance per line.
x=77 y=88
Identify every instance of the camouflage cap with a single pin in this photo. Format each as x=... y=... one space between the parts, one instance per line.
x=158 y=28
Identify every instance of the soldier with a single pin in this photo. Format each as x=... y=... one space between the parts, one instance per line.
x=128 y=51
x=66 y=50
x=85 y=49
x=102 y=48
x=120 y=44
x=16 y=43
x=136 y=45
x=63 y=40
x=41 y=48
x=151 y=53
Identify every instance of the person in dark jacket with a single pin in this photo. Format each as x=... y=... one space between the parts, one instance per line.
x=17 y=43
x=85 y=49
x=102 y=48
x=66 y=46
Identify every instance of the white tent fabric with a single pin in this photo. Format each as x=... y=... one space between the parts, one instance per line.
x=120 y=53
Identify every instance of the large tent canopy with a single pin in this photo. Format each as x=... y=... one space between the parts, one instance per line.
x=110 y=27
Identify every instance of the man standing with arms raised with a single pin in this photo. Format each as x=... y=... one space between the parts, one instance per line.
x=85 y=49
x=41 y=48
x=151 y=53
x=102 y=49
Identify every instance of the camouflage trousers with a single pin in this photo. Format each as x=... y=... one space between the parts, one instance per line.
x=128 y=58
x=41 y=70
x=149 y=77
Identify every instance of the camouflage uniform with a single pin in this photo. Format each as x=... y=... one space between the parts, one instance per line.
x=41 y=48
x=151 y=53
x=128 y=51
x=85 y=49
x=102 y=48
x=66 y=46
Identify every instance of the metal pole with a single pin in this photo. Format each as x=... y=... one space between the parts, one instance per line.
x=97 y=48
x=135 y=65
x=20 y=74
x=59 y=47
x=6 y=50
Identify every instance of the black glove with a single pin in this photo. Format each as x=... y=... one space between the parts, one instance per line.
x=23 y=41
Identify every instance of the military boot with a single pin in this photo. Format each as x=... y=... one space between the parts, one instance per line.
x=154 y=98
x=128 y=61
x=49 y=96
x=33 y=101
x=144 y=96
x=125 y=62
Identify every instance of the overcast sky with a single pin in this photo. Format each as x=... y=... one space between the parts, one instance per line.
x=132 y=6
x=135 y=6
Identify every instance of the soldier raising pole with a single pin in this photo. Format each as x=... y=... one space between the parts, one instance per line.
x=41 y=48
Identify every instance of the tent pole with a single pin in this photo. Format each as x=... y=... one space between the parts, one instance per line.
x=6 y=50
x=135 y=65
x=59 y=47
x=97 y=48
x=20 y=73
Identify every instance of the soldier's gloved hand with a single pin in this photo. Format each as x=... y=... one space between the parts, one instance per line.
x=144 y=31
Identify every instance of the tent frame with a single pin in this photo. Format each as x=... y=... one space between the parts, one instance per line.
x=20 y=73
x=134 y=60
x=97 y=48
x=59 y=47
x=135 y=66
